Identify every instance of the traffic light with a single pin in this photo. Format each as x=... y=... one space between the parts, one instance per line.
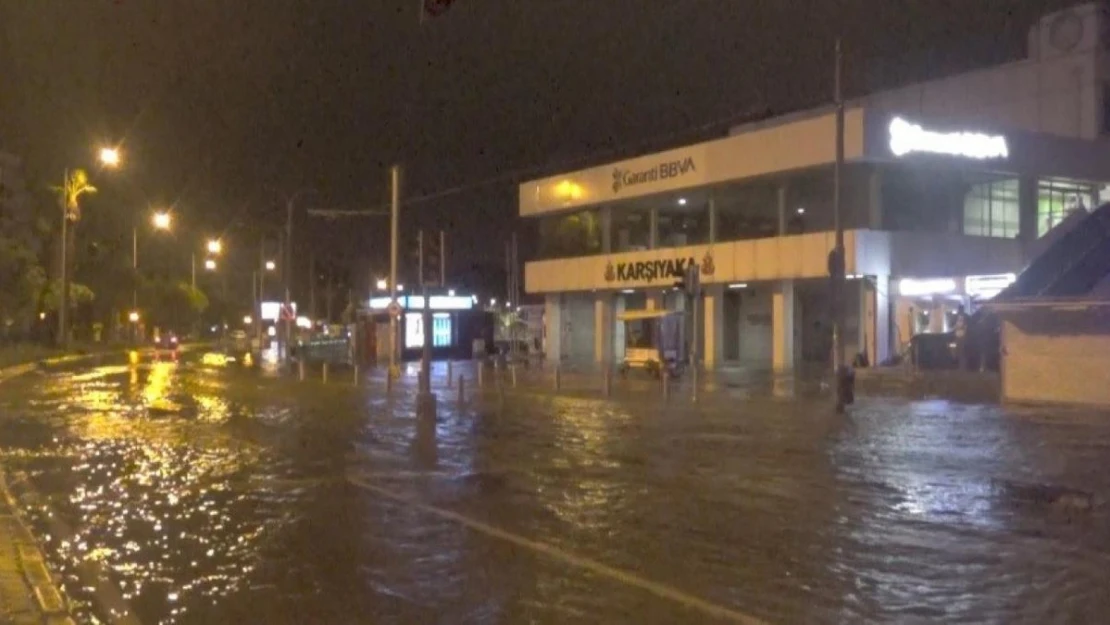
x=434 y=8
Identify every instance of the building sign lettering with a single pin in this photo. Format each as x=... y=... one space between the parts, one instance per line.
x=651 y=270
x=668 y=169
x=906 y=137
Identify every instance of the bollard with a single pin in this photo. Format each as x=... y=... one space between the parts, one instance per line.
x=300 y=368
x=356 y=373
x=450 y=377
x=462 y=389
x=558 y=377
x=694 y=381
x=481 y=375
x=389 y=381
x=607 y=382
x=325 y=373
x=666 y=384
x=512 y=370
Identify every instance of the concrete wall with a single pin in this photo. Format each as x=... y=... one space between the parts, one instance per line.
x=578 y=327
x=1056 y=358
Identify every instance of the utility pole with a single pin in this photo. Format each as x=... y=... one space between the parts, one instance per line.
x=425 y=320
x=312 y=289
x=287 y=277
x=260 y=294
x=63 y=312
x=394 y=227
x=841 y=376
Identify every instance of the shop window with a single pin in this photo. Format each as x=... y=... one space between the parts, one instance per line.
x=748 y=211
x=684 y=224
x=573 y=234
x=991 y=209
x=631 y=228
x=1056 y=199
x=414 y=330
x=441 y=330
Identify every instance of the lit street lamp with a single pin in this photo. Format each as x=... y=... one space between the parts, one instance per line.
x=161 y=221
x=133 y=317
x=210 y=264
x=247 y=320
x=270 y=265
x=215 y=246
x=383 y=284
x=109 y=157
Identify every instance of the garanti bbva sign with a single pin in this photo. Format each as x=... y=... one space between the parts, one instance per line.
x=668 y=269
x=624 y=177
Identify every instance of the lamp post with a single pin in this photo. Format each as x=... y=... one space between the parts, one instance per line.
x=160 y=221
x=75 y=183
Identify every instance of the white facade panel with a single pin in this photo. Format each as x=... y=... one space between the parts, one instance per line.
x=1045 y=364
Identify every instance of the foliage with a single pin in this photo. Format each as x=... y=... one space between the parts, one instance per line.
x=171 y=304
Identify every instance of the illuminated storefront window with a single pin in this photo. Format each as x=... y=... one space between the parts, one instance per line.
x=991 y=209
x=414 y=330
x=1056 y=199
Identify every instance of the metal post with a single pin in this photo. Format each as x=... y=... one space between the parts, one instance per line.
x=837 y=267
x=312 y=289
x=481 y=374
x=135 y=268
x=63 y=312
x=512 y=372
x=462 y=389
x=666 y=384
x=558 y=377
x=286 y=278
x=426 y=321
x=355 y=373
x=300 y=369
x=325 y=373
x=261 y=291
x=450 y=377
x=394 y=224
x=607 y=382
x=694 y=384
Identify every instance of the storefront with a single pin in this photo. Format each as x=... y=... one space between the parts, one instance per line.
x=936 y=216
x=457 y=324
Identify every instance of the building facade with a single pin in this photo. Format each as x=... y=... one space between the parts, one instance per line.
x=947 y=188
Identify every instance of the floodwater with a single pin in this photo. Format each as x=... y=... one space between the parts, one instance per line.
x=203 y=492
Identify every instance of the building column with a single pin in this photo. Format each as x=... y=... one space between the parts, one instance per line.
x=603 y=328
x=553 y=328
x=782 y=326
x=655 y=300
x=712 y=218
x=781 y=199
x=936 y=315
x=606 y=229
x=713 y=322
x=653 y=229
x=1027 y=209
x=880 y=343
x=875 y=199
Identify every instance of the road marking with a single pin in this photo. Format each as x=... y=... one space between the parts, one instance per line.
x=661 y=590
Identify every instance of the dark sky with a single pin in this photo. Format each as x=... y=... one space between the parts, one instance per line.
x=224 y=105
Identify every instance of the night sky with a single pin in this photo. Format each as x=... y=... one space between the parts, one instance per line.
x=224 y=106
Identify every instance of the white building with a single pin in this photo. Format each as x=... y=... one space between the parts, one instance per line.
x=948 y=186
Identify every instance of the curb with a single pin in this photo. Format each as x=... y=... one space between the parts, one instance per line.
x=49 y=604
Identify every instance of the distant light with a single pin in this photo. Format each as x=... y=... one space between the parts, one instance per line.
x=986 y=287
x=270 y=265
x=493 y=301
x=626 y=291
x=801 y=211
x=42 y=315
x=271 y=331
x=304 y=322
x=682 y=201
x=210 y=264
x=162 y=221
x=382 y=284
x=247 y=320
x=400 y=287
x=215 y=246
x=474 y=298
x=133 y=316
x=214 y=328
x=451 y=292
x=936 y=286
x=738 y=285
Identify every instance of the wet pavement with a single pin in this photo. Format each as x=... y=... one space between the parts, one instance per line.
x=205 y=492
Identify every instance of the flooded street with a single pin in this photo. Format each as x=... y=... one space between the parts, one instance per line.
x=197 y=492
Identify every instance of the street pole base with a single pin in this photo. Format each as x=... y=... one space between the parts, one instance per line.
x=426 y=405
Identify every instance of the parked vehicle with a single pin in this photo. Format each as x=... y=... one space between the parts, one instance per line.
x=654 y=341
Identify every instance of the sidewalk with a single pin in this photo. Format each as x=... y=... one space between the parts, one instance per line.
x=28 y=592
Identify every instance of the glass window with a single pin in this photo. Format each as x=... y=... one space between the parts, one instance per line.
x=573 y=234
x=749 y=211
x=1056 y=199
x=631 y=227
x=684 y=224
x=991 y=209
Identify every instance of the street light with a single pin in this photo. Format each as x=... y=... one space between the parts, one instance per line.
x=210 y=264
x=215 y=246
x=383 y=284
x=162 y=221
x=133 y=316
x=109 y=157
x=270 y=265
x=247 y=320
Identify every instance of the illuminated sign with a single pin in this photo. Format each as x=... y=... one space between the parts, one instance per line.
x=670 y=169
x=906 y=137
x=937 y=286
x=986 y=287
x=271 y=310
x=650 y=270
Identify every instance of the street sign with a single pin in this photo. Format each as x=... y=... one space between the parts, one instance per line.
x=394 y=309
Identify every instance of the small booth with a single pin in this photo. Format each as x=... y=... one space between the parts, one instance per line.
x=457 y=325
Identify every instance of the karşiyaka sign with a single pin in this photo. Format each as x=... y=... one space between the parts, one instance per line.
x=652 y=270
